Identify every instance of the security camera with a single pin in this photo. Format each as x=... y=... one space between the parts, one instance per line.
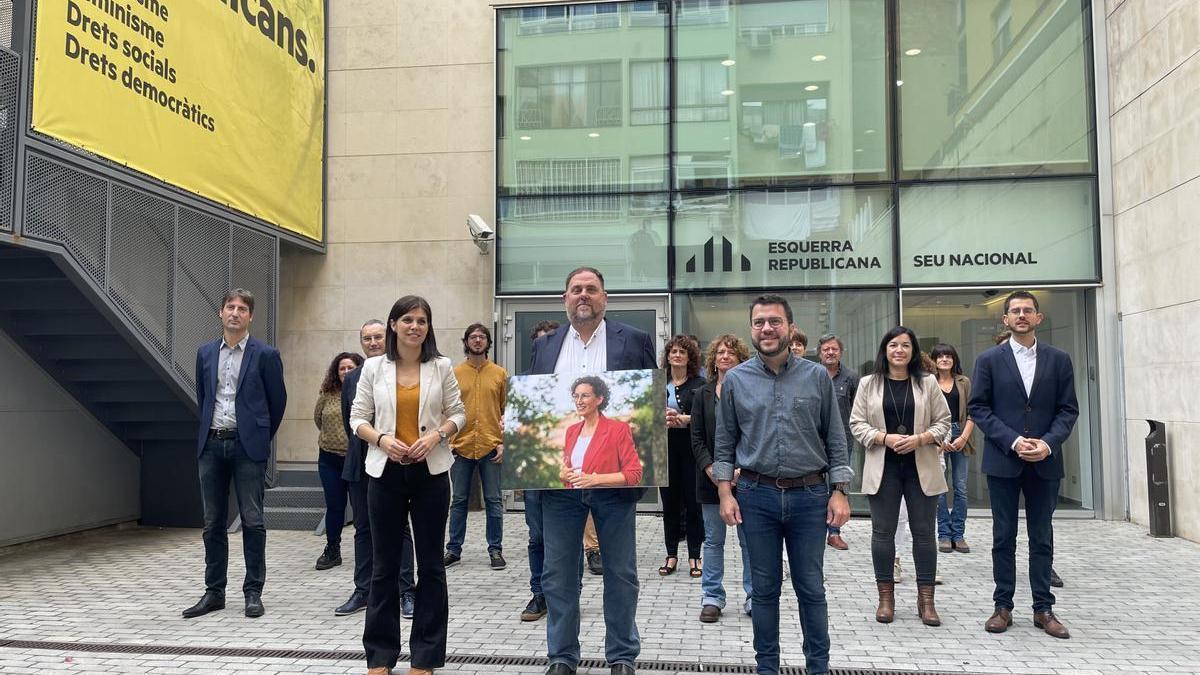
x=481 y=233
x=479 y=228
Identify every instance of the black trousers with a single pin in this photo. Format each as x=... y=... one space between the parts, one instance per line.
x=680 y=507
x=1041 y=496
x=363 y=553
x=900 y=479
x=402 y=492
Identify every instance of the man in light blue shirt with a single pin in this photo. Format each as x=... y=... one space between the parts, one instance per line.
x=778 y=422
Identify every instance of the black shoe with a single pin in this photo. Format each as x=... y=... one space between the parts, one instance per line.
x=1055 y=580
x=254 y=606
x=594 y=564
x=560 y=669
x=622 y=669
x=331 y=557
x=408 y=605
x=356 y=603
x=497 y=560
x=450 y=559
x=535 y=610
x=211 y=602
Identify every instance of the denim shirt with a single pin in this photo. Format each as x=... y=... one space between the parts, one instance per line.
x=786 y=425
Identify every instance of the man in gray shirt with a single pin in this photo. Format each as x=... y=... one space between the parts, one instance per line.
x=778 y=422
x=845 y=386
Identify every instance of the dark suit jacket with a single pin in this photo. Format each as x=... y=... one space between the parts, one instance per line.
x=356 y=448
x=1001 y=409
x=628 y=349
x=704 y=438
x=260 y=400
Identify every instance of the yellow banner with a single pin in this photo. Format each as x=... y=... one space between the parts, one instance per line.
x=224 y=98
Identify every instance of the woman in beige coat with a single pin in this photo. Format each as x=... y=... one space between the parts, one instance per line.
x=900 y=416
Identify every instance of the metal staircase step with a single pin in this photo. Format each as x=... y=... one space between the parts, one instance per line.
x=295 y=497
x=292 y=518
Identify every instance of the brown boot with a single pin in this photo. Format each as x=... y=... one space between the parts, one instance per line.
x=1050 y=623
x=925 y=608
x=999 y=622
x=886 y=612
x=381 y=670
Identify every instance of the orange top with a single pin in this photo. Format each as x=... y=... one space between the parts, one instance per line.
x=408 y=407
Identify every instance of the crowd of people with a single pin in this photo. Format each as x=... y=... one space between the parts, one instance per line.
x=759 y=438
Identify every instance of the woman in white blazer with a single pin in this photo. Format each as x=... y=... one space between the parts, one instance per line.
x=900 y=416
x=407 y=408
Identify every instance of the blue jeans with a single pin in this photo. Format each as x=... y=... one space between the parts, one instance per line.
x=537 y=547
x=460 y=485
x=563 y=515
x=219 y=463
x=713 y=576
x=952 y=525
x=773 y=518
x=329 y=468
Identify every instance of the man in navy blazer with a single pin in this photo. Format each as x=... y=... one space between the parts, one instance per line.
x=371 y=337
x=239 y=388
x=589 y=344
x=1023 y=399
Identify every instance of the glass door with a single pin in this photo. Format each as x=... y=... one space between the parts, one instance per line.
x=520 y=316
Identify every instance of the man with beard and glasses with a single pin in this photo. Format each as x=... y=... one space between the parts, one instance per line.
x=483 y=387
x=778 y=421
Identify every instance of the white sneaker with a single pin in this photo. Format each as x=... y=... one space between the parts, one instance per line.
x=897 y=573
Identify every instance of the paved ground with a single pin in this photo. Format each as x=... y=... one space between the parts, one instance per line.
x=1128 y=602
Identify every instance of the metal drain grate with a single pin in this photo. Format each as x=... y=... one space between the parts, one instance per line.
x=462 y=659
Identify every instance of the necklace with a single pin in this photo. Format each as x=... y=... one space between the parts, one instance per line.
x=901 y=429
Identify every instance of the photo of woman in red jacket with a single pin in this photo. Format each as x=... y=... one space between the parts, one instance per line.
x=599 y=451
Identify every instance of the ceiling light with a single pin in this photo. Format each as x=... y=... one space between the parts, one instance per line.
x=858 y=149
x=869 y=131
x=727 y=92
x=593 y=135
x=811 y=87
x=810 y=124
x=899 y=83
x=913 y=52
x=819 y=58
x=728 y=62
x=526 y=138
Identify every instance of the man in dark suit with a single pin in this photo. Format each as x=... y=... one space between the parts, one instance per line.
x=1023 y=399
x=590 y=345
x=239 y=388
x=372 y=339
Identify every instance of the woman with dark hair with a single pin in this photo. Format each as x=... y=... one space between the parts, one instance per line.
x=599 y=451
x=723 y=354
x=681 y=360
x=900 y=417
x=952 y=524
x=406 y=408
x=331 y=455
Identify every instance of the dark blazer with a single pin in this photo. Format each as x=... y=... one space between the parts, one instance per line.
x=356 y=448
x=704 y=438
x=260 y=400
x=611 y=450
x=1001 y=409
x=628 y=349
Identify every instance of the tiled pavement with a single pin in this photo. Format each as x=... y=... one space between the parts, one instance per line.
x=1128 y=602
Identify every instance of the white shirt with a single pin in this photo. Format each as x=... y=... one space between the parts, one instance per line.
x=578 y=356
x=1026 y=362
x=229 y=368
x=577 y=453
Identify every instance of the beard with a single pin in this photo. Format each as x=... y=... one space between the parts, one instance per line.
x=783 y=347
x=478 y=352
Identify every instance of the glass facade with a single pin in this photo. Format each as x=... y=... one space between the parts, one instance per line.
x=869 y=159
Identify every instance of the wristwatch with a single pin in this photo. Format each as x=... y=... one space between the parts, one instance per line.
x=443 y=435
x=841 y=487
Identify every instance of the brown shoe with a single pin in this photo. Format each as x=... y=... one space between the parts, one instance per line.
x=961 y=546
x=1050 y=623
x=886 y=612
x=925 y=608
x=999 y=622
x=381 y=670
x=945 y=546
x=836 y=541
x=420 y=671
x=710 y=614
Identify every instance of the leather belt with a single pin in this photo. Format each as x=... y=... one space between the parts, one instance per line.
x=223 y=434
x=817 y=478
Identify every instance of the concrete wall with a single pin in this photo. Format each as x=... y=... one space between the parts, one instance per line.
x=410 y=154
x=1154 y=80
x=60 y=470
